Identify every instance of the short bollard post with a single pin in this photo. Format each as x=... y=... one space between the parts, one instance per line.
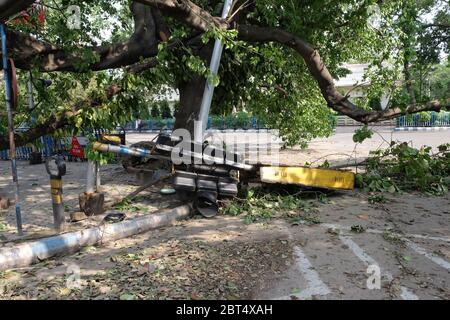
x=56 y=168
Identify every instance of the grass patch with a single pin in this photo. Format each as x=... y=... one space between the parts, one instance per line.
x=129 y=205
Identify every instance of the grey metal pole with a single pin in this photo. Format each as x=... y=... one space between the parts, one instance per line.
x=30 y=91
x=103 y=147
x=91 y=177
x=36 y=155
x=98 y=178
x=200 y=126
x=31 y=102
x=12 y=145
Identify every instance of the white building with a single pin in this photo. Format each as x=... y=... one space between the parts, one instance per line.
x=170 y=95
x=355 y=85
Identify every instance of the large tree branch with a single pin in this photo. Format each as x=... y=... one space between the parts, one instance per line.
x=444 y=26
x=187 y=12
x=48 y=127
x=57 y=122
x=28 y=51
x=9 y=8
x=194 y=16
x=61 y=121
x=319 y=71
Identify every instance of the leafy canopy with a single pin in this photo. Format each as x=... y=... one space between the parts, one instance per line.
x=266 y=79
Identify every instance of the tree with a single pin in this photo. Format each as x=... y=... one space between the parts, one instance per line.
x=166 y=113
x=155 y=111
x=439 y=81
x=271 y=64
x=422 y=42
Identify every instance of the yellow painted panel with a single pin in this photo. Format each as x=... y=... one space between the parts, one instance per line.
x=57 y=198
x=311 y=177
x=113 y=139
x=56 y=183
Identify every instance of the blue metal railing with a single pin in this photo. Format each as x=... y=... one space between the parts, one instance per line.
x=48 y=146
x=214 y=122
x=432 y=119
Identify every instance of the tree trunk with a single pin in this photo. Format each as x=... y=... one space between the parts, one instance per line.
x=191 y=94
x=409 y=81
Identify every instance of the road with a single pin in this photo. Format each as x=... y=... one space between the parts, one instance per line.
x=336 y=149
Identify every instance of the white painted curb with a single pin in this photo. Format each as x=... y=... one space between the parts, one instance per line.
x=421 y=128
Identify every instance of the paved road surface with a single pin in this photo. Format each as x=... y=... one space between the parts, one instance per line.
x=336 y=149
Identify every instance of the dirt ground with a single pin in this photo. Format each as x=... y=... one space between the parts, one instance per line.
x=36 y=202
x=406 y=239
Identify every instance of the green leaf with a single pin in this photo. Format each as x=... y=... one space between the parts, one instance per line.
x=127 y=296
x=362 y=134
x=295 y=291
